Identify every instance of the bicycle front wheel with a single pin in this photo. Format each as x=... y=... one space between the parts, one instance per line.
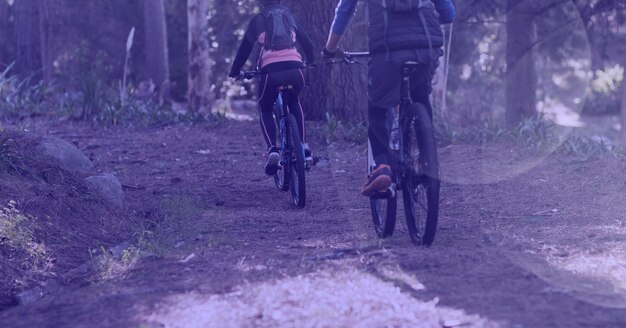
x=420 y=189
x=296 y=166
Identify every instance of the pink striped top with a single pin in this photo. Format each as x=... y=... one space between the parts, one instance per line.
x=274 y=56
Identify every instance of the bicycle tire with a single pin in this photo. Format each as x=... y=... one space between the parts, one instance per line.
x=297 y=179
x=281 y=177
x=384 y=215
x=421 y=183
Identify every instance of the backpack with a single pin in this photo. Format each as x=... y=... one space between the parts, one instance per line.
x=278 y=27
x=398 y=10
x=402 y=6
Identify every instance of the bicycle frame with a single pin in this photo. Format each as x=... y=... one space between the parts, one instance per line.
x=292 y=165
x=414 y=170
x=399 y=118
x=281 y=110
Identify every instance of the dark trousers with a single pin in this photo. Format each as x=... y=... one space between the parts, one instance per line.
x=268 y=92
x=378 y=132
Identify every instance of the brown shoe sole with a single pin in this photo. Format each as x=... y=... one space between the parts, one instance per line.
x=381 y=183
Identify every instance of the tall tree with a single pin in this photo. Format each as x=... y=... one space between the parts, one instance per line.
x=521 y=76
x=335 y=89
x=83 y=30
x=5 y=32
x=27 y=39
x=200 y=65
x=157 y=61
x=623 y=109
x=176 y=16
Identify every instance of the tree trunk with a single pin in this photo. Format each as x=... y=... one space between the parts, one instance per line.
x=27 y=39
x=5 y=32
x=199 y=89
x=84 y=30
x=440 y=85
x=623 y=110
x=338 y=89
x=521 y=76
x=157 y=61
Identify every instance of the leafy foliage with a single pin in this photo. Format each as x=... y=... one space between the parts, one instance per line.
x=604 y=91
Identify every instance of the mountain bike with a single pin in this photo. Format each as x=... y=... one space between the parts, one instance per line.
x=414 y=165
x=292 y=166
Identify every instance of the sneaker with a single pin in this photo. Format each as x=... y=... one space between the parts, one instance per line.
x=308 y=158
x=380 y=180
x=273 y=158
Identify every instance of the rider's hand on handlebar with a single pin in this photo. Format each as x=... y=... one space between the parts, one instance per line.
x=333 y=55
x=236 y=75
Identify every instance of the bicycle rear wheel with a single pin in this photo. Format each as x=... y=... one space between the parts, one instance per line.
x=420 y=188
x=297 y=180
x=281 y=177
x=384 y=214
x=382 y=206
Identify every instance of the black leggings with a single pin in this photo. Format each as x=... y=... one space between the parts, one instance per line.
x=378 y=133
x=268 y=92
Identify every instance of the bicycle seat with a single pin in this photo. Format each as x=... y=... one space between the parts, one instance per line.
x=412 y=63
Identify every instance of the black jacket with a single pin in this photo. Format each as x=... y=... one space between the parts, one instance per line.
x=398 y=31
x=252 y=34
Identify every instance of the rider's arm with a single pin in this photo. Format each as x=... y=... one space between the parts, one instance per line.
x=305 y=42
x=249 y=38
x=343 y=14
x=446 y=10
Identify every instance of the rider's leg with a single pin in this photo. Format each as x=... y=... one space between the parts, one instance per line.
x=267 y=96
x=421 y=86
x=295 y=78
x=378 y=135
x=268 y=93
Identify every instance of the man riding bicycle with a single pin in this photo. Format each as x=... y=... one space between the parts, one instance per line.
x=398 y=31
x=277 y=30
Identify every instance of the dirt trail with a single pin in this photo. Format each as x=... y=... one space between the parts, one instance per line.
x=523 y=241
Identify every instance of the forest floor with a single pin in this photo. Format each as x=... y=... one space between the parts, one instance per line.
x=524 y=240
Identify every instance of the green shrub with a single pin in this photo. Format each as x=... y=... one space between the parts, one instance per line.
x=534 y=132
x=604 y=93
x=20 y=97
x=16 y=233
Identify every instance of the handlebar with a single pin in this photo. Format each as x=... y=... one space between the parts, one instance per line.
x=248 y=75
x=357 y=54
x=351 y=57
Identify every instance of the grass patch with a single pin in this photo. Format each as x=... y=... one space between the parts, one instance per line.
x=112 y=264
x=16 y=234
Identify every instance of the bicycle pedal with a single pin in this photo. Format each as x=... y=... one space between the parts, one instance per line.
x=308 y=164
x=384 y=194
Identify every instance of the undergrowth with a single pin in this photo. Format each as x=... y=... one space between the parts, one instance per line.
x=534 y=134
x=9 y=157
x=332 y=129
x=16 y=235
x=86 y=97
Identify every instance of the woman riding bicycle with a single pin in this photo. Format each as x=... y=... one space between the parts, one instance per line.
x=398 y=31
x=277 y=30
